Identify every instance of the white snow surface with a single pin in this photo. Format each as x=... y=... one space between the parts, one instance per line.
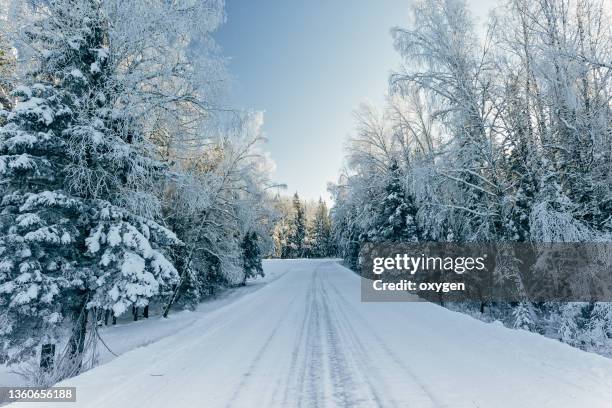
x=306 y=339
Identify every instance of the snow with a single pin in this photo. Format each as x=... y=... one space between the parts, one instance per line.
x=7 y=287
x=6 y=265
x=132 y=264
x=24 y=277
x=102 y=53
x=114 y=237
x=35 y=106
x=22 y=162
x=306 y=339
x=93 y=241
x=19 y=140
x=77 y=73
x=53 y=318
x=107 y=258
x=66 y=238
x=94 y=68
x=161 y=266
x=44 y=234
x=28 y=219
x=114 y=293
x=24 y=297
x=75 y=42
x=135 y=240
x=46 y=198
x=120 y=307
x=23 y=90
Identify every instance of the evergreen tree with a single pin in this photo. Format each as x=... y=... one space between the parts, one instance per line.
x=520 y=167
x=69 y=164
x=397 y=213
x=251 y=257
x=40 y=223
x=282 y=235
x=523 y=317
x=298 y=228
x=322 y=245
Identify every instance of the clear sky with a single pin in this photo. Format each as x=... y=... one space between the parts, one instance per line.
x=308 y=64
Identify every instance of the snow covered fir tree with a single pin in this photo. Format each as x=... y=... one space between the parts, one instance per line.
x=67 y=158
x=397 y=214
x=321 y=241
x=251 y=257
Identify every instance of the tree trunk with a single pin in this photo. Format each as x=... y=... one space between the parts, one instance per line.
x=180 y=266
x=135 y=313
x=47 y=357
x=106 y=316
x=77 y=339
x=114 y=319
x=145 y=312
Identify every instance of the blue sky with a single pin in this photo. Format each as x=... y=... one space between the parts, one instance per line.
x=307 y=64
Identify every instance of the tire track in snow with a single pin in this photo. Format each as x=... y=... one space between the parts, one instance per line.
x=309 y=384
x=253 y=366
x=352 y=357
x=292 y=382
x=389 y=354
x=341 y=377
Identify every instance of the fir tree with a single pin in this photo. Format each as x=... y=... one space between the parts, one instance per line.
x=68 y=162
x=322 y=245
x=251 y=257
x=519 y=167
x=523 y=317
x=298 y=228
x=40 y=222
x=397 y=213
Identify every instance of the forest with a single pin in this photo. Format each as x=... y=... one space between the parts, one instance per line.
x=495 y=136
x=125 y=180
x=131 y=188
x=303 y=229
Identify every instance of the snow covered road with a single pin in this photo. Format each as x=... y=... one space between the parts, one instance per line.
x=306 y=340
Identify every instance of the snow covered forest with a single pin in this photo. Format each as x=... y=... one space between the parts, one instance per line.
x=500 y=137
x=303 y=229
x=126 y=183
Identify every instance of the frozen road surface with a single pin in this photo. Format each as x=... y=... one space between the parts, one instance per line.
x=306 y=340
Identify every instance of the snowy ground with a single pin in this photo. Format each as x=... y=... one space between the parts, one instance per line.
x=128 y=335
x=306 y=339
